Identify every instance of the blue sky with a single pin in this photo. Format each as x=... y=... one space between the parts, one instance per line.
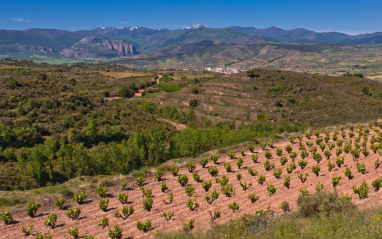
x=350 y=16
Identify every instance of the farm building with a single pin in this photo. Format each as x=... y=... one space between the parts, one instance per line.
x=140 y=93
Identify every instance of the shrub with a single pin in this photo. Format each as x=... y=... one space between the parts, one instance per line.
x=203 y=162
x=104 y=223
x=284 y=206
x=231 y=154
x=148 y=203
x=145 y=226
x=277 y=173
x=196 y=176
x=126 y=212
x=213 y=197
x=183 y=180
x=239 y=162
x=319 y=187
x=377 y=163
x=252 y=172
x=189 y=226
x=174 y=171
x=213 y=171
x=348 y=173
x=283 y=160
x=32 y=208
x=158 y=175
x=103 y=203
x=146 y=192
x=302 y=163
x=251 y=147
x=288 y=148
x=293 y=156
x=292 y=138
x=222 y=181
x=316 y=169
x=268 y=166
x=189 y=190
x=74 y=214
x=303 y=192
x=116 y=233
x=338 y=152
x=322 y=146
x=190 y=166
x=271 y=190
x=362 y=190
x=163 y=186
x=192 y=204
x=302 y=177
x=124 y=184
x=287 y=182
x=51 y=222
x=253 y=197
x=279 y=151
x=234 y=206
x=170 y=198
x=238 y=176
x=377 y=184
x=361 y=168
x=317 y=157
x=261 y=179
x=228 y=190
x=73 y=232
x=101 y=191
x=255 y=157
x=206 y=185
x=245 y=185
x=80 y=197
x=60 y=201
x=168 y=215
x=336 y=180
x=215 y=215
x=27 y=232
x=139 y=181
x=6 y=217
x=228 y=167
x=291 y=167
x=263 y=144
x=242 y=151
x=331 y=166
x=214 y=157
x=322 y=203
x=268 y=154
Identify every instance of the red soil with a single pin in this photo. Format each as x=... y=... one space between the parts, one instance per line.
x=91 y=214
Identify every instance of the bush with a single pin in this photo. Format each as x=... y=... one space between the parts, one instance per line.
x=278 y=173
x=284 y=206
x=80 y=197
x=283 y=160
x=6 y=217
x=123 y=198
x=101 y=191
x=362 y=190
x=323 y=203
x=183 y=180
x=124 y=184
x=170 y=199
x=336 y=180
x=213 y=197
x=139 y=181
x=27 y=232
x=189 y=191
x=158 y=175
x=231 y=154
x=361 y=168
x=271 y=190
x=60 y=201
x=228 y=190
x=148 y=203
x=302 y=177
x=234 y=206
x=104 y=223
x=203 y=162
x=168 y=215
x=316 y=169
x=251 y=147
x=261 y=179
x=253 y=197
x=145 y=226
x=215 y=215
x=214 y=157
x=240 y=162
x=196 y=176
x=268 y=154
x=189 y=226
x=174 y=171
x=126 y=212
x=32 y=208
x=222 y=181
x=255 y=157
x=245 y=185
x=213 y=171
x=51 y=222
x=252 y=172
x=192 y=204
x=238 y=176
x=348 y=173
x=377 y=184
x=302 y=163
x=190 y=166
x=206 y=185
x=279 y=151
x=74 y=214
x=103 y=203
x=287 y=182
x=331 y=166
x=319 y=187
x=116 y=233
x=73 y=232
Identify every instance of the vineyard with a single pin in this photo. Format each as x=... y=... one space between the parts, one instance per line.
x=268 y=176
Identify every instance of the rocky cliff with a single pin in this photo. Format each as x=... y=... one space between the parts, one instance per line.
x=97 y=47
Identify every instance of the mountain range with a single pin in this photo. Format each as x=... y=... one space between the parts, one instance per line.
x=109 y=42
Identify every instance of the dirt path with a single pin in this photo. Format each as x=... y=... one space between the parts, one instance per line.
x=178 y=126
x=91 y=214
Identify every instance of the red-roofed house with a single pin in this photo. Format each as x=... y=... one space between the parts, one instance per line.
x=140 y=93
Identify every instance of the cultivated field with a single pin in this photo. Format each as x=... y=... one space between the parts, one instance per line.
x=363 y=140
x=120 y=75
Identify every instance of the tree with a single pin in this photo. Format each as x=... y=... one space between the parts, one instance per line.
x=193 y=103
x=37 y=161
x=125 y=91
x=91 y=131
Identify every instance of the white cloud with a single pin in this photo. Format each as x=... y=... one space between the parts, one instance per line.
x=20 y=19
